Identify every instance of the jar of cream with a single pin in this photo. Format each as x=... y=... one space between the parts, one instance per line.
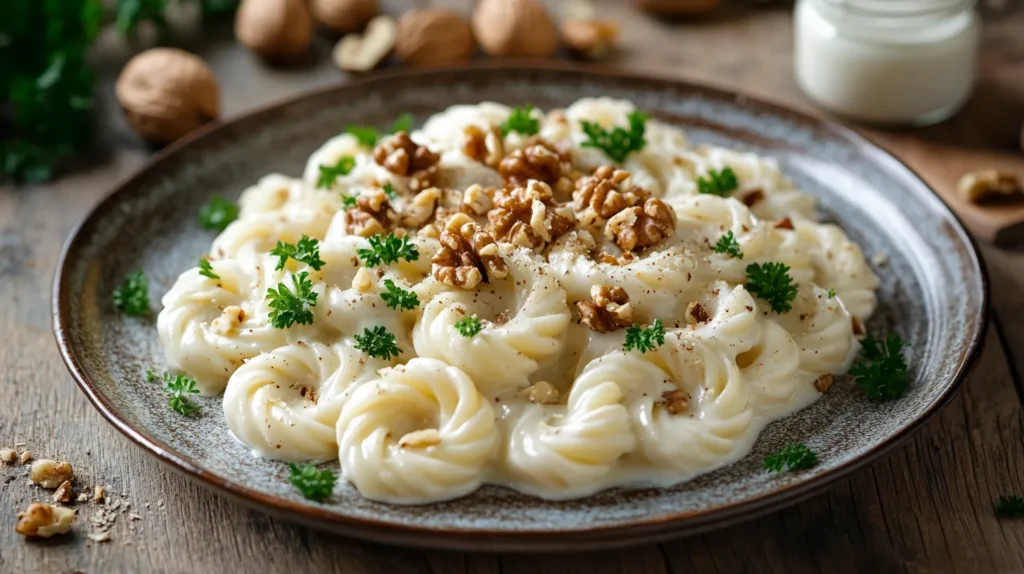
x=894 y=62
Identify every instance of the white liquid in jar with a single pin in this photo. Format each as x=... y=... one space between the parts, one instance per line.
x=895 y=62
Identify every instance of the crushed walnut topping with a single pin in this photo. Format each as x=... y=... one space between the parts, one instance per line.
x=468 y=255
x=371 y=216
x=420 y=439
x=528 y=216
x=823 y=383
x=636 y=228
x=857 y=325
x=8 y=455
x=538 y=160
x=696 y=313
x=44 y=520
x=402 y=156
x=477 y=200
x=485 y=146
x=610 y=310
x=362 y=281
x=784 y=223
x=605 y=193
x=544 y=393
x=63 y=493
x=420 y=209
x=674 y=401
x=229 y=320
x=753 y=197
x=50 y=473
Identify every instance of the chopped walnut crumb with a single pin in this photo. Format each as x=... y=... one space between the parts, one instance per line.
x=544 y=393
x=539 y=160
x=468 y=255
x=605 y=193
x=857 y=325
x=363 y=280
x=989 y=184
x=82 y=497
x=636 y=228
x=753 y=197
x=610 y=310
x=64 y=492
x=372 y=214
x=784 y=223
x=99 y=536
x=99 y=494
x=528 y=216
x=823 y=383
x=8 y=456
x=674 y=401
x=25 y=457
x=44 y=520
x=421 y=208
x=420 y=439
x=402 y=156
x=485 y=146
x=229 y=320
x=696 y=313
x=477 y=200
x=50 y=473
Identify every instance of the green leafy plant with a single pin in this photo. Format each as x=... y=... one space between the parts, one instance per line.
x=772 y=283
x=206 y=268
x=329 y=173
x=720 y=183
x=831 y=293
x=369 y=136
x=617 y=143
x=132 y=297
x=644 y=339
x=180 y=387
x=521 y=121
x=397 y=298
x=1010 y=507
x=377 y=342
x=389 y=190
x=881 y=371
x=793 y=456
x=387 y=250
x=217 y=213
x=727 y=244
x=469 y=326
x=151 y=376
x=316 y=485
x=305 y=251
x=290 y=307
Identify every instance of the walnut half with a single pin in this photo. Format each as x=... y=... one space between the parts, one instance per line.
x=539 y=160
x=605 y=193
x=371 y=216
x=44 y=520
x=528 y=216
x=401 y=156
x=468 y=255
x=989 y=184
x=636 y=228
x=485 y=146
x=610 y=310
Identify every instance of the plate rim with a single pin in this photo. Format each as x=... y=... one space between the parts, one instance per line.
x=533 y=539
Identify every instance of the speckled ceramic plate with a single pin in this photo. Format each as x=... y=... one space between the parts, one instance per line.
x=933 y=293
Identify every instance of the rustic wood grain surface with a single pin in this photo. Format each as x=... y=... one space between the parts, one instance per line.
x=927 y=507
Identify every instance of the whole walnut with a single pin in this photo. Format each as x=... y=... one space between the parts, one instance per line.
x=344 y=16
x=515 y=28
x=167 y=93
x=678 y=7
x=433 y=36
x=274 y=29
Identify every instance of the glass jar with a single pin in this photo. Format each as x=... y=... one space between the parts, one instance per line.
x=894 y=62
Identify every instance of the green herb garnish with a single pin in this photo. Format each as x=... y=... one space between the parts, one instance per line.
x=132 y=297
x=521 y=121
x=366 y=135
x=772 y=283
x=388 y=249
x=402 y=124
x=377 y=342
x=389 y=190
x=882 y=371
x=831 y=293
x=218 y=213
x=305 y=251
x=645 y=339
x=349 y=201
x=793 y=456
x=151 y=376
x=727 y=244
x=398 y=298
x=618 y=142
x=720 y=183
x=180 y=387
x=206 y=268
x=329 y=173
x=469 y=326
x=1010 y=507
x=288 y=307
x=316 y=485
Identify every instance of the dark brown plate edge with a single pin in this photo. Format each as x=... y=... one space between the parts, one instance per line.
x=507 y=540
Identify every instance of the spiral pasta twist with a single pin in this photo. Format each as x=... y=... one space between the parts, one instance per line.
x=839 y=264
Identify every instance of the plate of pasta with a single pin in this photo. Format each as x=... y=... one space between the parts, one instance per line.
x=511 y=307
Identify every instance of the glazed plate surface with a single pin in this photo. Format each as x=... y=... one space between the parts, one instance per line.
x=933 y=293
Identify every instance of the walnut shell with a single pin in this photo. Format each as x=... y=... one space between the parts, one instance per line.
x=167 y=93
x=433 y=36
x=515 y=28
x=274 y=29
x=344 y=16
x=678 y=7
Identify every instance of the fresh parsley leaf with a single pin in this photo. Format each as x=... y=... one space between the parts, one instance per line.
x=389 y=190
x=831 y=293
x=306 y=251
x=206 y=268
x=366 y=135
x=398 y=298
x=882 y=371
x=728 y=244
x=132 y=297
x=377 y=342
x=772 y=283
x=521 y=121
x=151 y=376
x=180 y=387
x=720 y=183
x=402 y=124
x=218 y=213
x=349 y=201
x=329 y=173
x=1010 y=507
x=793 y=456
x=469 y=326
x=387 y=250
x=291 y=307
x=316 y=485
x=645 y=339
x=617 y=143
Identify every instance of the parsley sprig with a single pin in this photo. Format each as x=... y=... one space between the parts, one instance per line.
x=377 y=342
x=397 y=298
x=206 y=268
x=316 y=485
x=521 y=121
x=180 y=387
x=469 y=326
x=389 y=190
x=329 y=173
x=218 y=213
x=772 y=283
x=387 y=250
x=132 y=296
x=645 y=339
x=720 y=183
x=793 y=456
x=368 y=136
x=290 y=307
x=831 y=293
x=617 y=143
x=882 y=371
x=727 y=244
x=1011 y=506
x=305 y=251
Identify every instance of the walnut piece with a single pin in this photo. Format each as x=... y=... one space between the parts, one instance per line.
x=362 y=53
x=44 y=520
x=63 y=492
x=468 y=255
x=371 y=216
x=823 y=383
x=605 y=193
x=485 y=146
x=528 y=216
x=989 y=184
x=610 y=310
x=99 y=494
x=539 y=160
x=477 y=200
x=50 y=473
x=25 y=457
x=636 y=228
x=544 y=393
x=8 y=456
x=420 y=439
x=229 y=320
x=421 y=208
x=696 y=313
x=588 y=37
x=674 y=401
x=402 y=156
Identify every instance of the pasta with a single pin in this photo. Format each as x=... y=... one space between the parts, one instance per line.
x=477 y=303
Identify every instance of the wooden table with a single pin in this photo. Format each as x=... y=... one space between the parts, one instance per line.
x=927 y=507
